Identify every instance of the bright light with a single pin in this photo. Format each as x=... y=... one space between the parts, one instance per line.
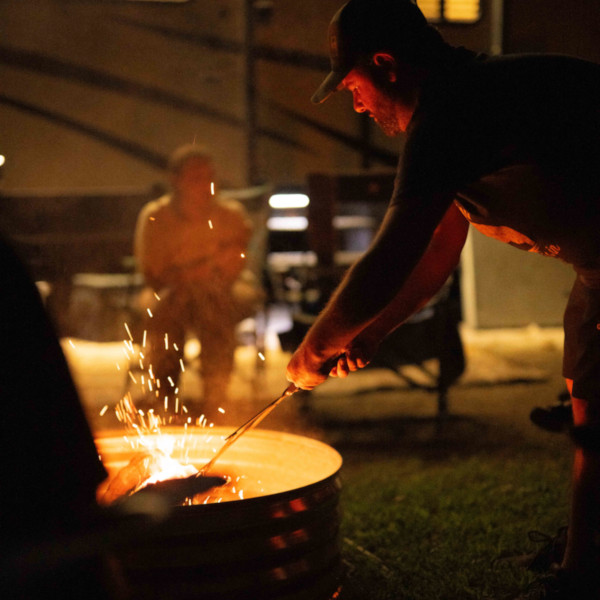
x=288 y=201
x=2 y=159
x=287 y=223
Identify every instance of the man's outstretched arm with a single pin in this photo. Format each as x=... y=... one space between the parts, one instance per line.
x=368 y=287
x=435 y=267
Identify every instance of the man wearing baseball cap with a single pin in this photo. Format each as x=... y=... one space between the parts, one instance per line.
x=510 y=145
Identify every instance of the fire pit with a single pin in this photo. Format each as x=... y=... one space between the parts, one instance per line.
x=272 y=534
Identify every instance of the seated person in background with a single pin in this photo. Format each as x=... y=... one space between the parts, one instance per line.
x=190 y=246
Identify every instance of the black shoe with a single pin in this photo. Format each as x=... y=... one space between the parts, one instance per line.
x=557 y=419
x=551 y=553
x=549 y=556
x=560 y=586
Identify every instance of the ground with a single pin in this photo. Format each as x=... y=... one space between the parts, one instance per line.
x=427 y=505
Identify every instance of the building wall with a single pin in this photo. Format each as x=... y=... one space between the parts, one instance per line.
x=96 y=94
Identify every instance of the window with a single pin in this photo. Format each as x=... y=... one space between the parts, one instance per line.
x=451 y=11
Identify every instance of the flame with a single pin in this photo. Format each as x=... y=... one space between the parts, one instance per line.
x=168 y=468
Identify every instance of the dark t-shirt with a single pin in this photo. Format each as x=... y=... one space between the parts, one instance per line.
x=516 y=141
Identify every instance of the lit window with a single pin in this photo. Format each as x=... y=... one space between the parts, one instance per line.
x=451 y=11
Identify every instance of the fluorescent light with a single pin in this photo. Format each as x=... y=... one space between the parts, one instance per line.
x=287 y=223
x=288 y=201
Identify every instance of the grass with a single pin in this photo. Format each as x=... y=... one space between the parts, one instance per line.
x=420 y=529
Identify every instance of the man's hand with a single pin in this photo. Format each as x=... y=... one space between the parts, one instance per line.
x=357 y=355
x=306 y=369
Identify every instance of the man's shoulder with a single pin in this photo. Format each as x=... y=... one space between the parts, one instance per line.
x=530 y=70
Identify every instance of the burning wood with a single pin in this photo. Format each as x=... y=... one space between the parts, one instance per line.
x=157 y=473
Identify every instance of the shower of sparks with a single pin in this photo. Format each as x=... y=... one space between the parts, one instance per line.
x=144 y=426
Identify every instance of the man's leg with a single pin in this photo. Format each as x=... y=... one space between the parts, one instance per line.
x=580 y=558
x=216 y=329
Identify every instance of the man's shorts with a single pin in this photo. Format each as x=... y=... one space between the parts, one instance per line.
x=581 y=360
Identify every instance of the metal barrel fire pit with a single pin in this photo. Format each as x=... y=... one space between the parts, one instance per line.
x=273 y=535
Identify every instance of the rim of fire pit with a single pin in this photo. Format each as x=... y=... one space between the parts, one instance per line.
x=324 y=461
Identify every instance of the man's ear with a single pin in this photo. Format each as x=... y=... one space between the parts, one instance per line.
x=387 y=63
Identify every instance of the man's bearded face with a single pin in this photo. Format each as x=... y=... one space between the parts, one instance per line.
x=382 y=100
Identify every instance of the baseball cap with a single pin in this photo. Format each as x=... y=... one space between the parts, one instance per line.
x=361 y=27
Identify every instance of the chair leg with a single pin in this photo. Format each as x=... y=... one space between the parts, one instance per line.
x=442 y=403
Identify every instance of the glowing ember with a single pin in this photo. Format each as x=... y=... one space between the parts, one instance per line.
x=143 y=470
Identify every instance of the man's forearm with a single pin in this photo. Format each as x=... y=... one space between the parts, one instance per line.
x=428 y=277
x=379 y=311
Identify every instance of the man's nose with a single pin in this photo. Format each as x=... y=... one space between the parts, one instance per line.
x=359 y=107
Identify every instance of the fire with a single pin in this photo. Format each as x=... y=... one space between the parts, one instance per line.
x=152 y=458
x=152 y=451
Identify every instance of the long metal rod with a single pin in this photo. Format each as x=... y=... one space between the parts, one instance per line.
x=249 y=424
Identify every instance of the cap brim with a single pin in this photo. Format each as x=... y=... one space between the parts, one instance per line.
x=330 y=84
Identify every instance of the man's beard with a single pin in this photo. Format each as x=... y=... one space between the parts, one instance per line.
x=383 y=111
x=388 y=124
